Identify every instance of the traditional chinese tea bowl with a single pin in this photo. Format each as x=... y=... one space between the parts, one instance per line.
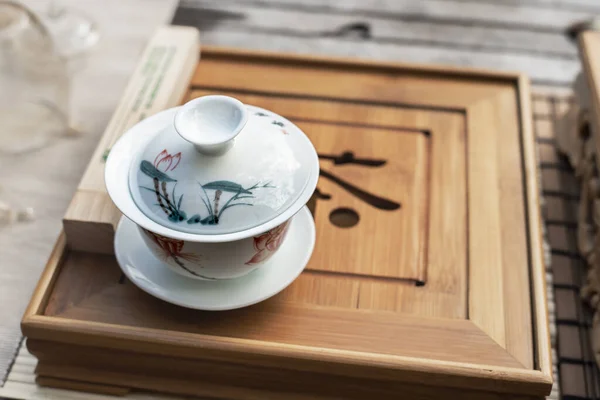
x=213 y=184
x=216 y=260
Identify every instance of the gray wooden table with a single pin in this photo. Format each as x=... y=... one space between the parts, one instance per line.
x=522 y=35
x=46 y=180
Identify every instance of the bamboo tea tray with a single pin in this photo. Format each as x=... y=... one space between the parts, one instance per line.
x=441 y=298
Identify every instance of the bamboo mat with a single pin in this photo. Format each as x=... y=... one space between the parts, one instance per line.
x=578 y=374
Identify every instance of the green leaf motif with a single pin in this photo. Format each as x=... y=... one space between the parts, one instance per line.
x=194 y=219
x=210 y=220
x=226 y=186
x=197 y=219
x=177 y=216
x=147 y=168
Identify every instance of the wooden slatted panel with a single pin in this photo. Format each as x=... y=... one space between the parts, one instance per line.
x=260 y=18
x=527 y=36
x=577 y=5
x=587 y=5
x=538 y=68
x=473 y=12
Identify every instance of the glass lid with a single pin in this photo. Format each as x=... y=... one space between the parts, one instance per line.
x=221 y=167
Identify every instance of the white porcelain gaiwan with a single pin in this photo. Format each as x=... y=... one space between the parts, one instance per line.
x=212 y=184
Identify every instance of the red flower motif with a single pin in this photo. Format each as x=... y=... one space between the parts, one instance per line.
x=267 y=243
x=171 y=247
x=164 y=161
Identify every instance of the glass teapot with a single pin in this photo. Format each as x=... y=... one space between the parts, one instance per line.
x=34 y=75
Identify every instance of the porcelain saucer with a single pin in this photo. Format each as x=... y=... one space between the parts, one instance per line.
x=149 y=274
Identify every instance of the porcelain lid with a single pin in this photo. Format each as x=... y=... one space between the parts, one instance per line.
x=222 y=167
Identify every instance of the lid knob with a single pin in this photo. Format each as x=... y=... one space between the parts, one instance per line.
x=211 y=123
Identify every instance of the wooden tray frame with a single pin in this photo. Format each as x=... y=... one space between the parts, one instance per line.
x=533 y=382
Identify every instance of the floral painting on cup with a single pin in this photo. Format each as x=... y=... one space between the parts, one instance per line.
x=172 y=250
x=268 y=243
x=217 y=196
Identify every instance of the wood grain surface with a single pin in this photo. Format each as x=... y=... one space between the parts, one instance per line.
x=437 y=287
x=223 y=380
